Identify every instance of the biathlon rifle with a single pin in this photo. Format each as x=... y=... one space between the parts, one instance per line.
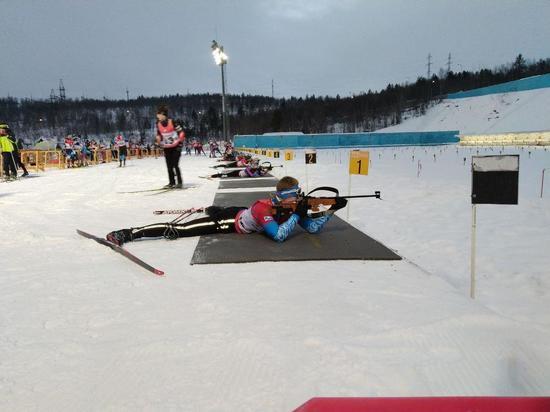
x=319 y=205
x=267 y=166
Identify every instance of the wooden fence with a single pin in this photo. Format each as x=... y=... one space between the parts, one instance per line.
x=40 y=160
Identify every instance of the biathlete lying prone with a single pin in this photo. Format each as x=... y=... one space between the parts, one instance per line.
x=262 y=216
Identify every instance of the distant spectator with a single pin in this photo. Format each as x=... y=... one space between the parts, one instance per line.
x=200 y=149
x=7 y=147
x=17 y=146
x=122 y=148
x=70 y=153
x=188 y=147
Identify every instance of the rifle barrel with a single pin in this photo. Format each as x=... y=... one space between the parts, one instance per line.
x=376 y=195
x=353 y=197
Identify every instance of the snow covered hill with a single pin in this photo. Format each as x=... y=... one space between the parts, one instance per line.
x=496 y=113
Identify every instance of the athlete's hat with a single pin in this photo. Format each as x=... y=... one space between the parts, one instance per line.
x=162 y=110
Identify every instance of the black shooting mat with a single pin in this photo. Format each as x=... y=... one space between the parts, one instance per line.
x=247 y=183
x=337 y=241
x=247 y=178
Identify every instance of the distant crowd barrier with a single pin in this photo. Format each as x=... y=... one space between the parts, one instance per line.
x=507 y=139
x=528 y=83
x=347 y=139
x=40 y=160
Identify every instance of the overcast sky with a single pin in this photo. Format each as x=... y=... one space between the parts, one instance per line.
x=323 y=47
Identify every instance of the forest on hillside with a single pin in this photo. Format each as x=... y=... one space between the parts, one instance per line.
x=250 y=114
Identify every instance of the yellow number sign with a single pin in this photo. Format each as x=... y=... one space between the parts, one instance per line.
x=289 y=155
x=270 y=153
x=359 y=162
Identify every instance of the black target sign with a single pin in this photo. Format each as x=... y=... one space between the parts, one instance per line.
x=495 y=179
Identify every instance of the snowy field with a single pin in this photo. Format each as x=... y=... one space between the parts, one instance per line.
x=84 y=329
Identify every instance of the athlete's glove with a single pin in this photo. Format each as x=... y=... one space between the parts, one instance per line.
x=340 y=203
x=301 y=209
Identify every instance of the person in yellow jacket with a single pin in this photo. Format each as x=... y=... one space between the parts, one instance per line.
x=7 y=148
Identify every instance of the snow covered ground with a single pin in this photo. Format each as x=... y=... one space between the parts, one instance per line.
x=82 y=328
x=496 y=113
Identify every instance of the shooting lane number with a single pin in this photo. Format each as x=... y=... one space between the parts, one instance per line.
x=359 y=162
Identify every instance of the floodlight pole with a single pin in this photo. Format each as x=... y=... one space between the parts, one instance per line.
x=224 y=115
x=221 y=60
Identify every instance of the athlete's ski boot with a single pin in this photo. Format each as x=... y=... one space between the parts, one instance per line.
x=178 y=186
x=119 y=237
x=169 y=186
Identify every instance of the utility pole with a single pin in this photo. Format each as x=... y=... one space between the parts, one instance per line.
x=272 y=89
x=449 y=63
x=127 y=94
x=61 y=90
x=429 y=65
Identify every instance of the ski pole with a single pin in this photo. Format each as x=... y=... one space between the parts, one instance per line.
x=177 y=211
x=14 y=164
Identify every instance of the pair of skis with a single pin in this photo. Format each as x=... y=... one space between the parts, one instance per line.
x=119 y=249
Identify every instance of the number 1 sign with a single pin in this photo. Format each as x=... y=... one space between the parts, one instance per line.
x=358 y=165
x=359 y=162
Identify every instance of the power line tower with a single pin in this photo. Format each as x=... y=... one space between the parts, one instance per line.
x=127 y=94
x=429 y=65
x=272 y=89
x=449 y=63
x=53 y=97
x=61 y=90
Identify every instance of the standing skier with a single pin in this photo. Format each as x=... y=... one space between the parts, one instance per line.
x=122 y=147
x=170 y=136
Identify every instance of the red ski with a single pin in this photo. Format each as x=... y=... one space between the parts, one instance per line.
x=122 y=251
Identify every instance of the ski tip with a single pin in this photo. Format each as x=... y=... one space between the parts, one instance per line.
x=158 y=272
